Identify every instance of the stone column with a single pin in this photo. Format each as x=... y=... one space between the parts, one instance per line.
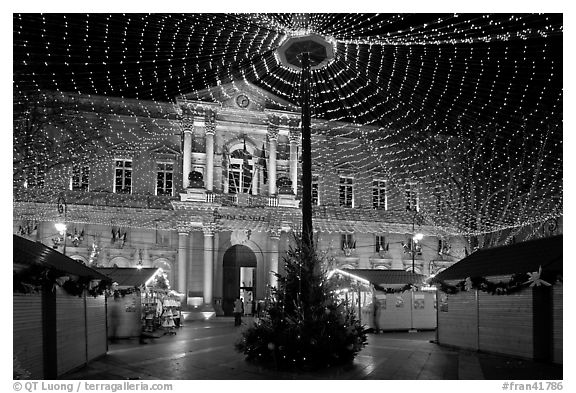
x=218 y=160
x=103 y=256
x=208 y=264
x=273 y=139
x=187 y=156
x=146 y=260
x=136 y=258
x=255 y=178
x=273 y=263
x=294 y=138
x=183 y=240
x=209 y=178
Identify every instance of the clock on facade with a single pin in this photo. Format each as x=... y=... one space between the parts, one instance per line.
x=242 y=101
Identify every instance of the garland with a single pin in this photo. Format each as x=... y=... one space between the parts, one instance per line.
x=117 y=293
x=407 y=287
x=33 y=279
x=517 y=282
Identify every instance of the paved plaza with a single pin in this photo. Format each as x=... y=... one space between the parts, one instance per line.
x=205 y=351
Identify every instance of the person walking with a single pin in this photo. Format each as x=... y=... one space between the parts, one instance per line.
x=238 y=310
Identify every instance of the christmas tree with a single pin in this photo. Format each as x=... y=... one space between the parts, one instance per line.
x=305 y=325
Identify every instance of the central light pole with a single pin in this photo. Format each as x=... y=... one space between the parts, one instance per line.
x=306 y=52
x=307 y=232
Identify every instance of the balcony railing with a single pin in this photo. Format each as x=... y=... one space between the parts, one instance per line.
x=245 y=200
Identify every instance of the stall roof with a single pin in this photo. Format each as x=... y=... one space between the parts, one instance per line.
x=128 y=276
x=27 y=252
x=515 y=258
x=386 y=277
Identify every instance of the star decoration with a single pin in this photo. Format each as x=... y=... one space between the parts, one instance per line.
x=535 y=280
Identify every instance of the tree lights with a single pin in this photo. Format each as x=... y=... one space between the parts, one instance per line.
x=467 y=106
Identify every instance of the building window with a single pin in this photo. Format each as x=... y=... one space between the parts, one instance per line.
x=412 y=197
x=164 y=178
x=123 y=176
x=379 y=197
x=240 y=173
x=346 y=191
x=80 y=178
x=412 y=246
x=381 y=245
x=35 y=176
x=240 y=179
x=162 y=237
x=347 y=243
x=315 y=198
x=444 y=247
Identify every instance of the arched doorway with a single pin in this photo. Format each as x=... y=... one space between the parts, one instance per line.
x=239 y=276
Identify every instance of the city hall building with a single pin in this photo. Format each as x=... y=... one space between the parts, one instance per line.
x=208 y=188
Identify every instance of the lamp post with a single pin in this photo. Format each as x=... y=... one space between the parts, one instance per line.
x=61 y=227
x=416 y=237
x=304 y=52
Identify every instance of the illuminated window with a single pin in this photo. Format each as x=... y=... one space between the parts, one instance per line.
x=315 y=198
x=346 y=191
x=35 y=176
x=165 y=178
x=379 y=197
x=347 y=241
x=123 y=176
x=381 y=244
x=240 y=173
x=412 y=197
x=80 y=178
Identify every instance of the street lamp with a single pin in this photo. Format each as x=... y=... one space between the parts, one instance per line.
x=416 y=237
x=61 y=226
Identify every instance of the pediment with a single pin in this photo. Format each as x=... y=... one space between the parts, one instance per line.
x=241 y=96
x=345 y=168
x=122 y=148
x=163 y=151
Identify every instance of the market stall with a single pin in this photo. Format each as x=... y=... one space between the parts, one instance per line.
x=505 y=300
x=140 y=303
x=161 y=310
x=393 y=299
x=124 y=299
x=59 y=312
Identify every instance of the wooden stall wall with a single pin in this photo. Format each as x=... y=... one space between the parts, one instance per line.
x=96 y=327
x=27 y=333
x=557 y=323
x=458 y=319
x=70 y=331
x=407 y=310
x=505 y=323
x=424 y=310
x=395 y=311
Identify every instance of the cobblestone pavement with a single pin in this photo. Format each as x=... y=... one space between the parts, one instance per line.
x=205 y=351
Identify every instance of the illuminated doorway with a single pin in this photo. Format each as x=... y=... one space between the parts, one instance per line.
x=239 y=276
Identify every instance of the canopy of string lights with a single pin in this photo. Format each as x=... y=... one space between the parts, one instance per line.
x=468 y=104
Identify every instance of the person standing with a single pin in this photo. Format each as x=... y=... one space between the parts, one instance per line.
x=377 y=313
x=238 y=310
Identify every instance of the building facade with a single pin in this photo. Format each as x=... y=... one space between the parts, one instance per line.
x=208 y=188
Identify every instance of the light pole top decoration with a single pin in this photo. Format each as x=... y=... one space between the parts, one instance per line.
x=321 y=50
